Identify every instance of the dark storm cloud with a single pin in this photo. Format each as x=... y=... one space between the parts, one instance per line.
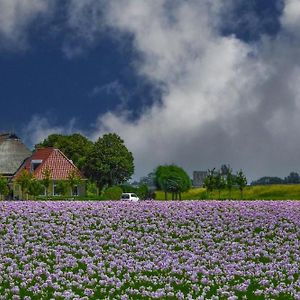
x=229 y=96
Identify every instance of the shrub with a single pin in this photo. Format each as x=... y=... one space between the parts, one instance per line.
x=113 y=193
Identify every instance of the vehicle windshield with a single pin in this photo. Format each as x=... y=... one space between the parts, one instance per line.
x=133 y=195
x=125 y=196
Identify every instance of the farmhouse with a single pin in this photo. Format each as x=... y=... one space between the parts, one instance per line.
x=12 y=154
x=59 y=167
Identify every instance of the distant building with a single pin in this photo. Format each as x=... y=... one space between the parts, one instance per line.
x=58 y=164
x=198 y=177
x=12 y=154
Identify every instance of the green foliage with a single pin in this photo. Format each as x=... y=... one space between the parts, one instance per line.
x=91 y=189
x=230 y=181
x=76 y=146
x=35 y=187
x=172 y=179
x=241 y=181
x=210 y=180
x=109 y=161
x=62 y=187
x=46 y=180
x=113 y=193
x=73 y=180
x=4 y=190
x=220 y=183
x=143 y=191
x=258 y=192
x=24 y=180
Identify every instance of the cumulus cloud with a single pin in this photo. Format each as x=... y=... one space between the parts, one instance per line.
x=39 y=128
x=16 y=16
x=291 y=15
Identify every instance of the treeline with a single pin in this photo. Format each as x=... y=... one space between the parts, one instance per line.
x=292 y=178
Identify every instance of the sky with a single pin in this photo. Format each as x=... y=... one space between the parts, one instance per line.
x=195 y=83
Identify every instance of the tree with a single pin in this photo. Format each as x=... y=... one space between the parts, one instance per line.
x=210 y=181
x=4 y=190
x=143 y=191
x=46 y=181
x=268 y=180
x=172 y=179
x=76 y=146
x=149 y=180
x=35 y=187
x=230 y=181
x=62 y=187
x=293 y=177
x=24 y=180
x=241 y=181
x=113 y=193
x=220 y=183
x=73 y=180
x=109 y=162
x=225 y=169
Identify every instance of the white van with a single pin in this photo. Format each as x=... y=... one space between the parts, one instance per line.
x=129 y=197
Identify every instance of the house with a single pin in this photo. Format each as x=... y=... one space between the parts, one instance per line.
x=12 y=154
x=59 y=166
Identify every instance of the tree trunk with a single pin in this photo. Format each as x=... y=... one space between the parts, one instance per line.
x=166 y=195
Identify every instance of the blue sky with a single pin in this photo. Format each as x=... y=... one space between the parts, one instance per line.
x=198 y=83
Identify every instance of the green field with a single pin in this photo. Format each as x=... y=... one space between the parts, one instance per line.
x=259 y=192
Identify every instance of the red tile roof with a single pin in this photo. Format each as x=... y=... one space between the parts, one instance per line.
x=53 y=159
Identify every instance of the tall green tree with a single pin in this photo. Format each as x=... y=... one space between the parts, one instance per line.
x=230 y=181
x=109 y=162
x=35 y=187
x=4 y=190
x=220 y=183
x=62 y=187
x=24 y=180
x=73 y=180
x=46 y=180
x=76 y=146
x=210 y=181
x=241 y=182
x=172 y=179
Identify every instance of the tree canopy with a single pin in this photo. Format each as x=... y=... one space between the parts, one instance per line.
x=76 y=146
x=172 y=179
x=109 y=161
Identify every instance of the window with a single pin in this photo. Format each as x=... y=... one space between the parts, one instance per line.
x=35 y=164
x=55 y=190
x=75 y=191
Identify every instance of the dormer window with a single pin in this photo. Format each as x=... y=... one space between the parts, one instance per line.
x=35 y=164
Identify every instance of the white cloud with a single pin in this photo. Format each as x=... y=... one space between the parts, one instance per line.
x=291 y=15
x=15 y=18
x=40 y=127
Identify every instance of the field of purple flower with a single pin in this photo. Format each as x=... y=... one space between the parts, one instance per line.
x=150 y=250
